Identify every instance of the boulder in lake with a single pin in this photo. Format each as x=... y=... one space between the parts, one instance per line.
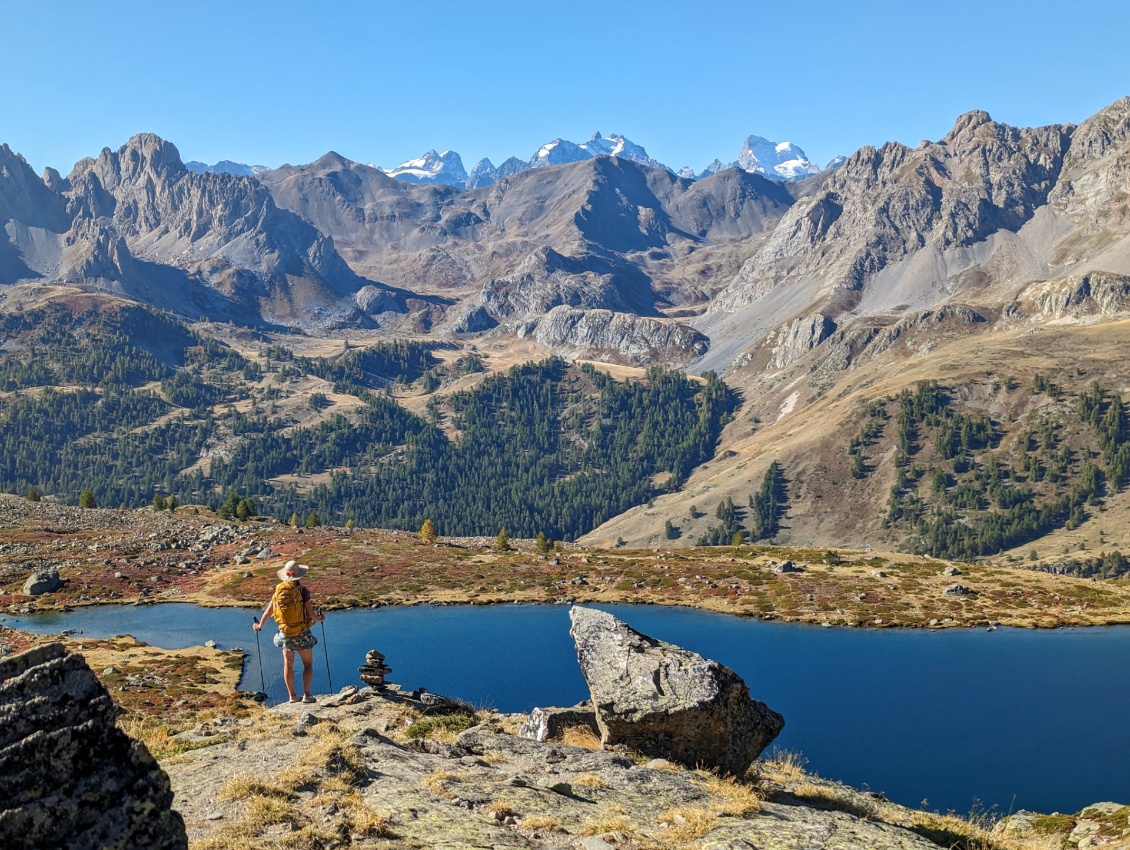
x=667 y=702
x=42 y=581
x=68 y=776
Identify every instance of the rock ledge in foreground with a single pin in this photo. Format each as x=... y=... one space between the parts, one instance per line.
x=69 y=778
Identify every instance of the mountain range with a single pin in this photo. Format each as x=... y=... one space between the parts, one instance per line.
x=992 y=257
x=781 y=161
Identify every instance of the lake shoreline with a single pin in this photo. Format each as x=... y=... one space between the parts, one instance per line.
x=121 y=557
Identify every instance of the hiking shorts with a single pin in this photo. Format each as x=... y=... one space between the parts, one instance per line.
x=306 y=640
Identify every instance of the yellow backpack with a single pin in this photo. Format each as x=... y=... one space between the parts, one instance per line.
x=290 y=609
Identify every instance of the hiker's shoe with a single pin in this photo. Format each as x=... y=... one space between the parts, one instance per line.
x=308 y=698
x=294 y=699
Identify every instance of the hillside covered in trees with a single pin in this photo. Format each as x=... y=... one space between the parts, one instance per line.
x=128 y=405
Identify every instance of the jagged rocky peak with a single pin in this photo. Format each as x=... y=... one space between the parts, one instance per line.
x=716 y=167
x=483 y=174
x=144 y=156
x=885 y=204
x=1100 y=135
x=26 y=197
x=444 y=168
x=54 y=181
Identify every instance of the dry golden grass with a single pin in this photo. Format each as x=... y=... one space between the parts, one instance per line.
x=229 y=840
x=362 y=819
x=157 y=735
x=436 y=782
x=589 y=780
x=607 y=822
x=580 y=736
x=342 y=763
x=499 y=809
x=540 y=823
x=687 y=823
x=243 y=787
x=785 y=766
x=734 y=798
x=265 y=811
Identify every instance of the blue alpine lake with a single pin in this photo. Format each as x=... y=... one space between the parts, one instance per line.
x=962 y=719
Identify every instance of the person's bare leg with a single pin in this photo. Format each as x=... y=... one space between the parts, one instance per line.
x=288 y=671
x=307 y=656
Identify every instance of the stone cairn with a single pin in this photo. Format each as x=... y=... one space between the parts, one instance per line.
x=374 y=670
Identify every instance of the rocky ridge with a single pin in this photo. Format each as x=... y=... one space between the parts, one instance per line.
x=976 y=216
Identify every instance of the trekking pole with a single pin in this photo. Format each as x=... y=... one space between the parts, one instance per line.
x=259 y=652
x=326 y=650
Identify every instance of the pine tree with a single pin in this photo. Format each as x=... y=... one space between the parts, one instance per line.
x=428 y=532
x=349 y=523
x=502 y=542
x=159 y=503
x=32 y=494
x=86 y=499
x=293 y=520
x=669 y=531
x=543 y=544
x=171 y=503
x=312 y=520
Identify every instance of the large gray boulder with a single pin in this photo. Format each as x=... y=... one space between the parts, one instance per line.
x=69 y=778
x=668 y=702
x=42 y=581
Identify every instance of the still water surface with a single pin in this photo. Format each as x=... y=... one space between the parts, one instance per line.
x=1012 y=719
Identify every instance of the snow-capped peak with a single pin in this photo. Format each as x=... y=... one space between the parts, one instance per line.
x=446 y=168
x=775 y=160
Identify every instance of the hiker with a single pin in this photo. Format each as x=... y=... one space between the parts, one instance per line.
x=293 y=612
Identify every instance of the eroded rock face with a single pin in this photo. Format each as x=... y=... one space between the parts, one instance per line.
x=69 y=778
x=638 y=337
x=668 y=702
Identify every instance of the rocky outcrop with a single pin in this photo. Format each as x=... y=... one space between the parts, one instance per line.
x=42 y=581
x=795 y=340
x=593 y=332
x=1094 y=294
x=546 y=279
x=668 y=702
x=69 y=778
x=488 y=788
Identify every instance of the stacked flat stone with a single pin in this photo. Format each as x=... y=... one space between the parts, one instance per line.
x=374 y=670
x=69 y=778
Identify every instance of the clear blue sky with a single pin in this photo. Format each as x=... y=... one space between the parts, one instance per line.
x=382 y=82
